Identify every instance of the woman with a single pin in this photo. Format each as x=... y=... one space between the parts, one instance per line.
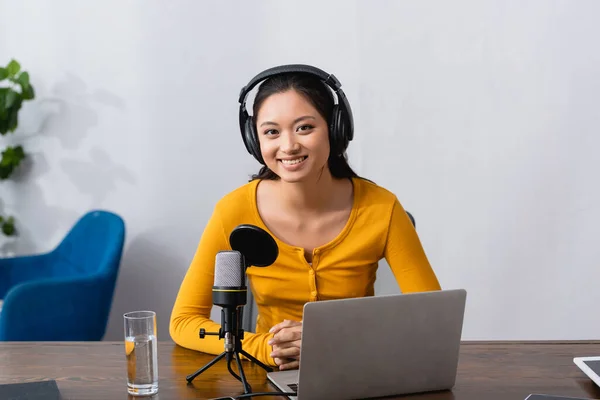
x=332 y=227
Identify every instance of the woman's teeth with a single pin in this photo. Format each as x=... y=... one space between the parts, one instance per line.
x=294 y=161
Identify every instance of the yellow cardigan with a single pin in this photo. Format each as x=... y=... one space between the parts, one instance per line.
x=378 y=228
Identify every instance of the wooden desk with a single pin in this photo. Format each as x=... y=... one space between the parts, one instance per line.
x=487 y=371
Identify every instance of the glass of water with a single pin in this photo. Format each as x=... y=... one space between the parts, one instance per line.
x=141 y=353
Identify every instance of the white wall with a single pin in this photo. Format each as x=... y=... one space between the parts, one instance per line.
x=490 y=108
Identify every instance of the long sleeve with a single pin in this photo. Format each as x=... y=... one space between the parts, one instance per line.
x=405 y=255
x=193 y=305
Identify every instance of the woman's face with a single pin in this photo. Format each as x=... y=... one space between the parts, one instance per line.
x=293 y=136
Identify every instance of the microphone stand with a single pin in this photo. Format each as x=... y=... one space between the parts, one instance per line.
x=233 y=349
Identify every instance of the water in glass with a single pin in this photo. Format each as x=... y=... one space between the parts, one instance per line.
x=142 y=364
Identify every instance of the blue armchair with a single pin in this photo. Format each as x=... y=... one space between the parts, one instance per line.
x=65 y=294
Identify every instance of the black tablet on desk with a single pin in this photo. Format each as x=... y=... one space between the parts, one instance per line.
x=590 y=366
x=42 y=390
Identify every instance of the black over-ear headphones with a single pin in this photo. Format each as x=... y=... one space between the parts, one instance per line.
x=341 y=126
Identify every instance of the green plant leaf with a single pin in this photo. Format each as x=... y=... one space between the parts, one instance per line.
x=8 y=228
x=10 y=98
x=3 y=94
x=11 y=158
x=13 y=115
x=23 y=79
x=28 y=92
x=13 y=68
x=5 y=171
x=3 y=73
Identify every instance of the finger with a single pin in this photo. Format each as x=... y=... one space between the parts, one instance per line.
x=286 y=345
x=288 y=335
x=285 y=335
x=276 y=328
x=290 y=352
x=286 y=323
x=290 y=365
x=281 y=361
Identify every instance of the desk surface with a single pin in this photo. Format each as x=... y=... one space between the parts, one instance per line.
x=487 y=371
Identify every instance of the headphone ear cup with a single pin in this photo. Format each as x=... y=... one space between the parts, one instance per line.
x=251 y=140
x=337 y=130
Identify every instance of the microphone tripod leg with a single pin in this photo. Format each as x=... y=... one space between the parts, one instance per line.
x=231 y=371
x=247 y=388
x=251 y=358
x=191 y=377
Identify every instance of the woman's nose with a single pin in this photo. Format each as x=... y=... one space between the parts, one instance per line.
x=289 y=144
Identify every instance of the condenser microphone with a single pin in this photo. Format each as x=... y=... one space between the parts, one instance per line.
x=251 y=246
x=229 y=290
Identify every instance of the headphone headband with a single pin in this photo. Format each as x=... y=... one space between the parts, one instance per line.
x=341 y=126
x=329 y=79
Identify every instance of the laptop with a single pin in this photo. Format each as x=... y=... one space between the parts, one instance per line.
x=377 y=346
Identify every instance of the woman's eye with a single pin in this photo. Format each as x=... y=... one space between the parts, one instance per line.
x=305 y=127
x=270 y=132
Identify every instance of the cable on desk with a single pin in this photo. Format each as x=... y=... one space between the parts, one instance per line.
x=244 y=396
x=247 y=395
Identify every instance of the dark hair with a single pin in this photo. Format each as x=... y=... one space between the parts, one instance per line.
x=321 y=97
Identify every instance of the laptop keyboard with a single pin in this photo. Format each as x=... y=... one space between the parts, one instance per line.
x=294 y=387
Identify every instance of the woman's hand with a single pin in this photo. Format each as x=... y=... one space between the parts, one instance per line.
x=286 y=344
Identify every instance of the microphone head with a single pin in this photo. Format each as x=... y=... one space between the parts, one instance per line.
x=257 y=246
x=229 y=269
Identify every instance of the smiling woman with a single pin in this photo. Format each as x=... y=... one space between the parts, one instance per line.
x=332 y=226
